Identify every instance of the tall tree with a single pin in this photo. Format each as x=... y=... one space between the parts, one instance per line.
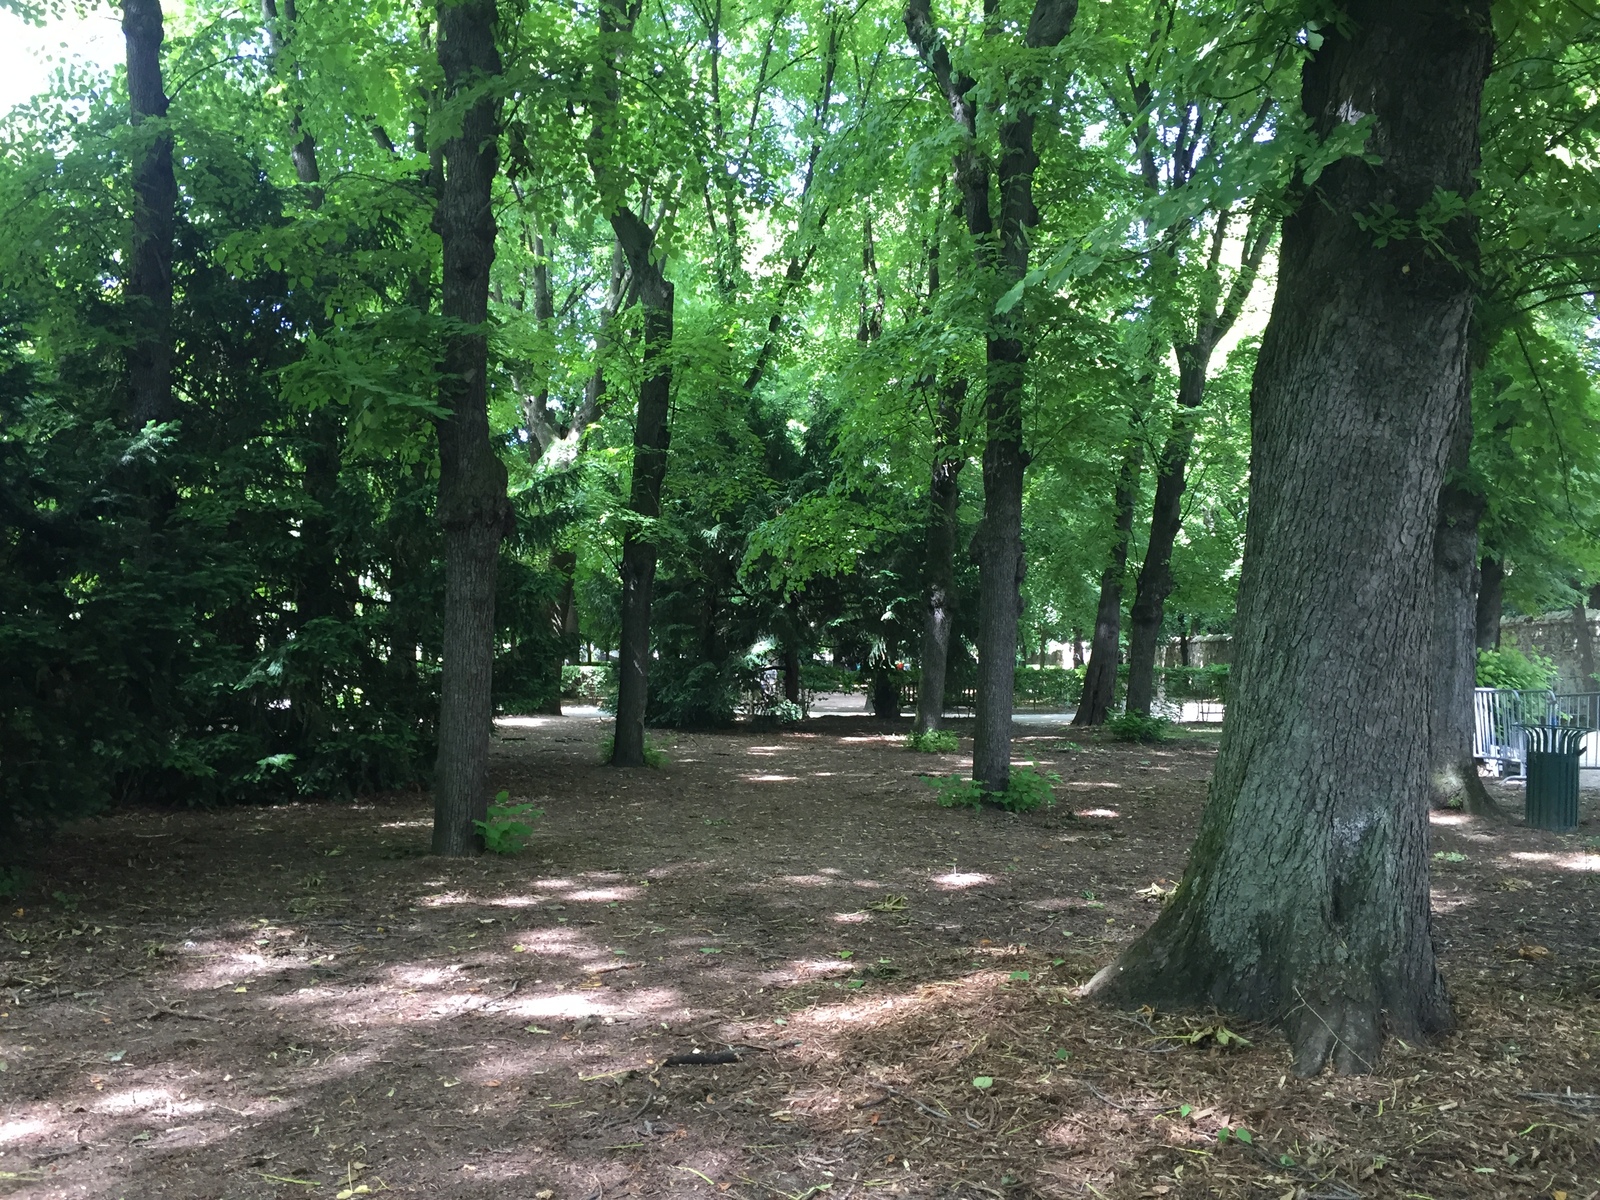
x=1001 y=245
x=948 y=395
x=1204 y=328
x=155 y=193
x=1100 y=676
x=1306 y=896
x=472 y=479
x=651 y=433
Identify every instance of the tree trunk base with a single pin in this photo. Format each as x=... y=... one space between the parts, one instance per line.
x=1458 y=786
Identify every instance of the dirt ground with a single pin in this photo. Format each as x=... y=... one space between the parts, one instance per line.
x=296 y=1001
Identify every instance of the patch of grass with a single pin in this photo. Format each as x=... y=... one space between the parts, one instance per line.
x=933 y=741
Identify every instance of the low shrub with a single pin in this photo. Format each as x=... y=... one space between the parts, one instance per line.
x=933 y=741
x=1511 y=668
x=1133 y=727
x=1027 y=791
x=509 y=825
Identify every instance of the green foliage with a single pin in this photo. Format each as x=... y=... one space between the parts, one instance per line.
x=1133 y=727
x=1056 y=687
x=1509 y=667
x=952 y=791
x=933 y=741
x=1194 y=683
x=1027 y=791
x=509 y=825
x=590 y=683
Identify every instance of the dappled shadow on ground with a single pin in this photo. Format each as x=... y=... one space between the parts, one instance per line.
x=295 y=1001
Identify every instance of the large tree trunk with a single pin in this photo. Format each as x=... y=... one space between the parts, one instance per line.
x=1456 y=783
x=148 y=289
x=650 y=437
x=1306 y=896
x=1491 y=599
x=1100 y=678
x=472 y=480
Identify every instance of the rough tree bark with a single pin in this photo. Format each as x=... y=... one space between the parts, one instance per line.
x=472 y=480
x=1001 y=244
x=1211 y=324
x=1306 y=895
x=1456 y=783
x=1100 y=677
x=1491 y=599
x=148 y=289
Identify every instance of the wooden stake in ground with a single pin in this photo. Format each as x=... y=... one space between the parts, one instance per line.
x=1306 y=896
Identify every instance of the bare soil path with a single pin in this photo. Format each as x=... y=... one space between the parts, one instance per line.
x=296 y=1001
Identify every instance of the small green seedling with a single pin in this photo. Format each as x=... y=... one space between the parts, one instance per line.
x=509 y=825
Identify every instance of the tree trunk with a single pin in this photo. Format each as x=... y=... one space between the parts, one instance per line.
x=650 y=437
x=1166 y=514
x=1166 y=517
x=939 y=558
x=791 y=674
x=472 y=480
x=1491 y=599
x=148 y=289
x=1583 y=638
x=1306 y=895
x=303 y=151
x=1100 y=678
x=1000 y=264
x=1456 y=783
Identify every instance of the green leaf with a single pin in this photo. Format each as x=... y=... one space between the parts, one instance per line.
x=983 y=1082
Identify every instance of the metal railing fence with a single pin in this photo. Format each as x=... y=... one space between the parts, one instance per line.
x=1500 y=713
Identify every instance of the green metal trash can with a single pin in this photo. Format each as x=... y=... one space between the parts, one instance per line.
x=1552 y=794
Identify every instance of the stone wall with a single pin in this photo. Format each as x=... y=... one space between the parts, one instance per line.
x=1207 y=650
x=1556 y=636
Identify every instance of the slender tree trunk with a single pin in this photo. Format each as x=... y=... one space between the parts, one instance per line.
x=650 y=438
x=148 y=289
x=1306 y=895
x=303 y=150
x=1166 y=514
x=472 y=480
x=791 y=674
x=1583 y=639
x=1455 y=553
x=1491 y=598
x=1146 y=613
x=1000 y=262
x=1001 y=562
x=939 y=557
x=1100 y=679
